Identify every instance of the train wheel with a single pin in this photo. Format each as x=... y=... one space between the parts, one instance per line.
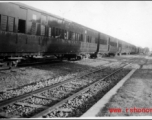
x=78 y=57
x=15 y=63
x=69 y=58
x=10 y=64
x=61 y=59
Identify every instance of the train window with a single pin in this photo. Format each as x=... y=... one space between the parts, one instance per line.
x=120 y=45
x=10 y=24
x=33 y=28
x=57 y=33
x=67 y=37
x=113 y=43
x=103 y=41
x=93 y=40
x=70 y=35
x=53 y=32
x=62 y=34
x=65 y=34
x=21 y=26
x=78 y=37
x=56 y=30
x=96 y=40
x=49 y=32
x=43 y=20
x=87 y=38
x=3 y=22
x=90 y=39
x=81 y=37
x=73 y=36
x=42 y=30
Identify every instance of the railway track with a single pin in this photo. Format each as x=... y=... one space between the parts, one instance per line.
x=76 y=104
x=50 y=82
x=28 y=104
x=31 y=86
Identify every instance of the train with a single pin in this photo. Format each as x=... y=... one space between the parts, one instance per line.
x=27 y=32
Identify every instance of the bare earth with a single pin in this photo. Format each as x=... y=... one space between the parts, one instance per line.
x=135 y=95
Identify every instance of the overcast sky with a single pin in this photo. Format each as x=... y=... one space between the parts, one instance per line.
x=130 y=21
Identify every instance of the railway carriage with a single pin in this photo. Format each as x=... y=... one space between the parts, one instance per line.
x=89 y=42
x=103 y=44
x=113 y=46
x=124 y=48
x=26 y=32
x=135 y=50
x=140 y=50
x=119 y=47
x=129 y=48
x=108 y=45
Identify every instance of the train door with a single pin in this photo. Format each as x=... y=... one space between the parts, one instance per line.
x=43 y=33
x=21 y=39
x=22 y=20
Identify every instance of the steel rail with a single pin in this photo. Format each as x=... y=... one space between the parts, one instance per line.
x=6 y=102
x=44 y=112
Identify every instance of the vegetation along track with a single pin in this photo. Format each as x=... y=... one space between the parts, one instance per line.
x=40 y=100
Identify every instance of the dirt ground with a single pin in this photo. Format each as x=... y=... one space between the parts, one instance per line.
x=134 y=98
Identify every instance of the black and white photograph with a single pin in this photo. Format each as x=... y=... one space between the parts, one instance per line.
x=75 y=59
